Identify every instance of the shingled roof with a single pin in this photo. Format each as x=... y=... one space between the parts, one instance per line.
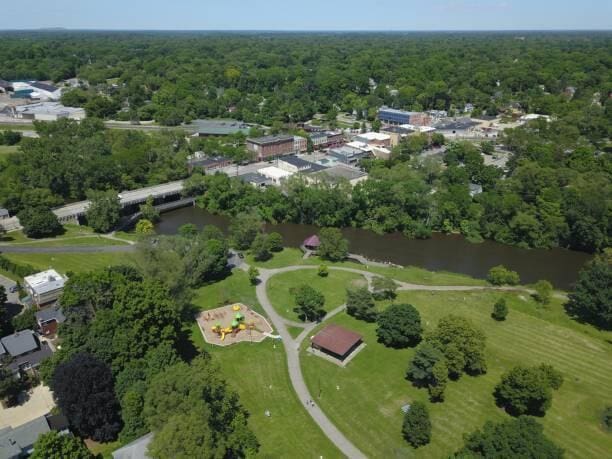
x=336 y=339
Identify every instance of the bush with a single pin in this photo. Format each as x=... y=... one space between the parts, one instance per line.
x=416 y=427
x=15 y=268
x=543 y=291
x=399 y=326
x=25 y=321
x=500 y=275
x=360 y=304
x=606 y=419
x=323 y=271
x=253 y=275
x=500 y=310
x=384 y=288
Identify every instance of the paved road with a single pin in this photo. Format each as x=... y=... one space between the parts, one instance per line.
x=12 y=298
x=68 y=249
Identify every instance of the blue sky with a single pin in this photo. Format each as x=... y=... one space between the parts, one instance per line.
x=309 y=14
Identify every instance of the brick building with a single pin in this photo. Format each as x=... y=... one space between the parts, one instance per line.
x=270 y=146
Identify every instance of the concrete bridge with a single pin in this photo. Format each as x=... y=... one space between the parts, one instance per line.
x=70 y=213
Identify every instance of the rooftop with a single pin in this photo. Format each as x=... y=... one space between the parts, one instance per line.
x=53 y=312
x=50 y=108
x=43 y=86
x=295 y=161
x=218 y=126
x=32 y=359
x=395 y=110
x=135 y=450
x=208 y=161
x=343 y=171
x=20 y=343
x=336 y=339
x=46 y=281
x=374 y=136
x=254 y=178
x=274 y=172
x=271 y=139
x=4 y=213
x=15 y=441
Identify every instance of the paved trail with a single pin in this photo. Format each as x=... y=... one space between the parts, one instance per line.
x=68 y=249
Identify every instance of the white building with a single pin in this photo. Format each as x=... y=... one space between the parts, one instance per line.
x=38 y=90
x=419 y=129
x=275 y=174
x=48 y=111
x=44 y=287
x=374 y=138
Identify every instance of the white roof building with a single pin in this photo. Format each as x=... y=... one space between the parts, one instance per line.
x=45 y=287
x=373 y=136
x=276 y=174
x=48 y=111
x=421 y=129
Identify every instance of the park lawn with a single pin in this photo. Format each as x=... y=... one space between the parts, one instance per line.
x=250 y=369
x=287 y=257
x=70 y=231
x=8 y=149
x=333 y=287
x=127 y=235
x=73 y=261
x=73 y=241
x=373 y=389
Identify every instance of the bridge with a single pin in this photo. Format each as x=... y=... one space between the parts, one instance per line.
x=70 y=213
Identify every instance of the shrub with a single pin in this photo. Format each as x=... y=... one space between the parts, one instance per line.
x=500 y=310
x=416 y=427
x=500 y=275
x=323 y=271
x=543 y=291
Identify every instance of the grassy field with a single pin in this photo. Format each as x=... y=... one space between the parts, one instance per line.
x=66 y=262
x=8 y=149
x=258 y=372
x=333 y=287
x=70 y=231
x=372 y=388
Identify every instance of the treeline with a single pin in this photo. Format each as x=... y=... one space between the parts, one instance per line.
x=268 y=78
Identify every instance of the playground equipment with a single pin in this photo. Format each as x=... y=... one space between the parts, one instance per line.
x=236 y=326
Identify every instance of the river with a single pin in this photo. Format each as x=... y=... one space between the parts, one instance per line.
x=441 y=252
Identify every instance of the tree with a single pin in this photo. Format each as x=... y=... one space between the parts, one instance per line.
x=439 y=379
x=188 y=230
x=84 y=391
x=104 y=210
x=54 y=445
x=360 y=304
x=333 y=246
x=25 y=321
x=462 y=344
x=591 y=300
x=500 y=275
x=527 y=390
x=253 y=275
x=10 y=387
x=500 y=310
x=260 y=248
x=438 y=139
x=39 y=222
x=323 y=271
x=275 y=242
x=416 y=427
x=521 y=437
x=606 y=418
x=244 y=230
x=421 y=367
x=384 y=288
x=543 y=291
x=399 y=326
x=309 y=303
x=145 y=227
x=185 y=436
x=148 y=210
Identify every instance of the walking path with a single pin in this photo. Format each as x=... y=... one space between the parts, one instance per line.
x=292 y=346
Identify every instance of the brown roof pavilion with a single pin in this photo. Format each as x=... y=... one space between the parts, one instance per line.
x=336 y=340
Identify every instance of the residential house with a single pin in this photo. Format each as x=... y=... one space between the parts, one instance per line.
x=18 y=442
x=270 y=146
x=48 y=319
x=26 y=351
x=4 y=214
x=44 y=287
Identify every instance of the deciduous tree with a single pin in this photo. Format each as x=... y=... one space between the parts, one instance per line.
x=399 y=326
x=360 y=304
x=416 y=427
x=333 y=247
x=53 y=445
x=309 y=303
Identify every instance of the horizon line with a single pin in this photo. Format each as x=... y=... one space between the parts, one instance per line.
x=384 y=31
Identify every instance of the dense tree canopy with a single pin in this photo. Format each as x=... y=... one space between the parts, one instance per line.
x=54 y=445
x=416 y=427
x=309 y=303
x=360 y=304
x=399 y=326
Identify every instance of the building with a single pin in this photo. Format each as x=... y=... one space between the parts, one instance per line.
x=275 y=174
x=47 y=111
x=35 y=90
x=48 y=319
x=335 y=138
x=294 y=164
x=270 y=146
x=339 y=172
x=218 y=127
x=136 y=449
x=397 y=117
x=374 y=138
x=44 y=287
x=18 y=442
x=206 y=163
x=475 y=189
x=381 y=153
x=336 y=341
x=300 y=144
x=319 y=140
x=25 y=350
x=312 y=243
x=255 y=179
x=4 y=214
x=348 y=154
x=5 y=86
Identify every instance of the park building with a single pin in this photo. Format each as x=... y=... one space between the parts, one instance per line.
x=336 y=342
x=44 y=287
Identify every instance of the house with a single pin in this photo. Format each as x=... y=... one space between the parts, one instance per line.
x=18 y=442
x=25 y=350
x=397 y=117
x=300 y=144
x=136 y=449
x=336 y=341
x=206 y=163
x=294 y=164
x=275 y=174
x=44 y=287
x=270 y=146
x=4 y=214
x=49 y=318
x=374 y=138
x=255 y=179
x=218 y=127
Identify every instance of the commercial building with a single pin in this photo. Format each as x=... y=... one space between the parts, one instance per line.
x=339 y=172
x=300 y=144
x=397 y=117
x=349 y=155
x=46 y=111
x=275 y=174
x=35 y=90
x=336 y=341
x=255 y=179
x=207 y=163
x=44 y=287
x=218 y=127
x=270 y=146
x=294 y=164
x=374 y=138
x=319 y=140
x=24 y=351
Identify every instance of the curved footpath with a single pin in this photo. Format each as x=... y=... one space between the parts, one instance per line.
x=292 y=346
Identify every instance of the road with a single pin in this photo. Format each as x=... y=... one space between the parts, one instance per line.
x=12 y=297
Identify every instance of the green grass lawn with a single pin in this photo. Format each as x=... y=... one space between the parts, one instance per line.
x=288 y=257
x=333 y=287
x=372 y=387
x=8 y=149
x=66 y=262
x=70 y=231
x=258 y=372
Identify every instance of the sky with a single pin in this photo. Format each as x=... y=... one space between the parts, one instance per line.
x=386 y=15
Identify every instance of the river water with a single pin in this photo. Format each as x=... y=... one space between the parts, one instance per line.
x=441 y=252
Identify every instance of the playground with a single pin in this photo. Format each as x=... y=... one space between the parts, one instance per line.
x=233 y=323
